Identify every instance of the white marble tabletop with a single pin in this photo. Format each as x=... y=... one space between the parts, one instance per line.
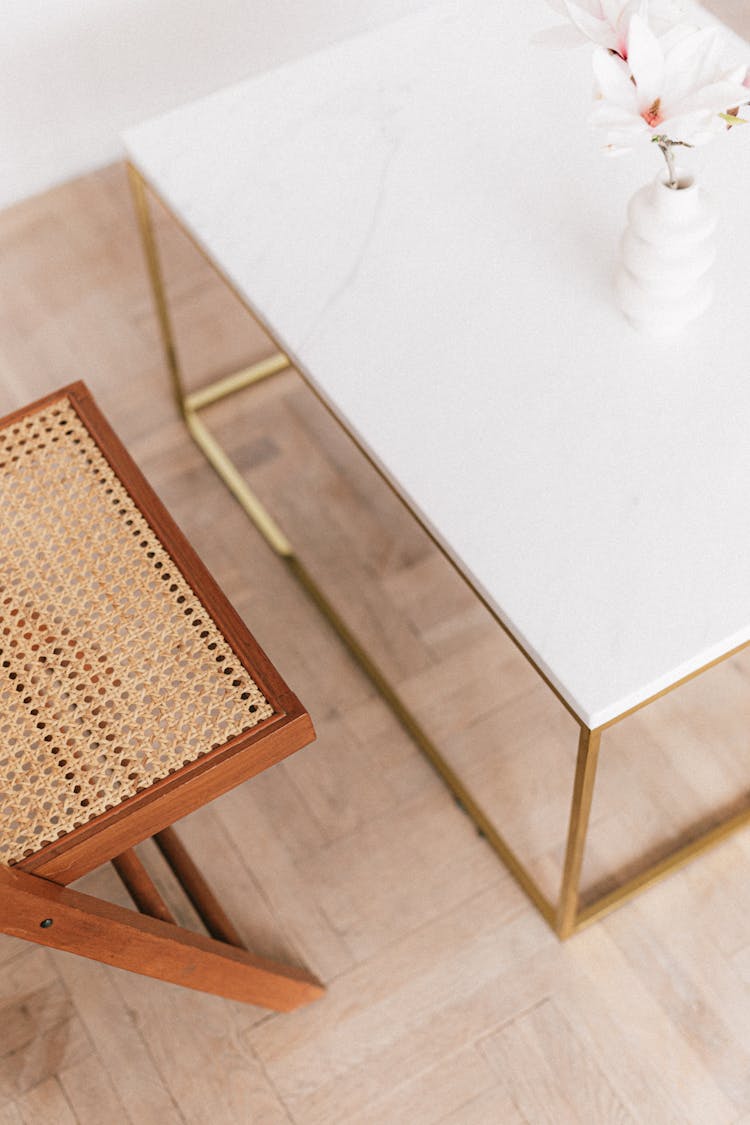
x=424 y=218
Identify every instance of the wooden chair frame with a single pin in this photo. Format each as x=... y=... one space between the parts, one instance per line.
x=35 y=901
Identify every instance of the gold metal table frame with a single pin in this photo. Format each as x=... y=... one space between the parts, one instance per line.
x=568 y=915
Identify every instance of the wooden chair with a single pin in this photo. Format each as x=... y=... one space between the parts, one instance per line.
x=131 y=693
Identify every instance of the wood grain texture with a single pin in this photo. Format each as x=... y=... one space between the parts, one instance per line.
x=46 y=1102
x=548 y=1073
x=140 y=886
x=196 y=888
x=196 y=1046
x=51 y=915
x=90 y=1093
x=42 y=1031
x=349 y=857
x=118 y=1049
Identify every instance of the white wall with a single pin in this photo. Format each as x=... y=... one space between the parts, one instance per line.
x=74 y=73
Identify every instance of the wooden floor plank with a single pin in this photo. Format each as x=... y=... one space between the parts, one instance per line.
x=294 y=902
x=658 y=1073
x=184 y=1035
x=548 y=1072
x=402 y=868
x=115 y=1036
x=91 y=1095
x=493 y=1105
x=699 y=989
x=423 y=998
x=46 y=1102
x=430 y=1095
x=10 y=1114
x=41 y=1032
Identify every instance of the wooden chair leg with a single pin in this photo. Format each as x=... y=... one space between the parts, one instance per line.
x=196 y=888
x=140 y=887
x=55 y=916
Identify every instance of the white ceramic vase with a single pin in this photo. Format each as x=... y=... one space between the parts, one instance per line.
x=663 y=280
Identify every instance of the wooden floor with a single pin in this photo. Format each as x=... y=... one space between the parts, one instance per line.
x=449 y=1000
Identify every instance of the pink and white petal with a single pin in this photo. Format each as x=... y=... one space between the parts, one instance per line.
x=623 y=130
x=711 y=130
x=594 y=28
x=711 y=61
x=694 y=127
x=674 y=35
x=613 y=80
x=615 y=11
x=632 y=8
x=738 y=74
x=646 y=61
x=606 y=114
x=558 y=6
x=685 y=64
x=664 y=14
x=717 y=98
x=622 y=24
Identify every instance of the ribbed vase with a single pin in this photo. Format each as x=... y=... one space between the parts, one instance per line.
x=663 y=280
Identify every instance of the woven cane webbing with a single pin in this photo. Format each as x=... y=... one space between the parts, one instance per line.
x=112 y=674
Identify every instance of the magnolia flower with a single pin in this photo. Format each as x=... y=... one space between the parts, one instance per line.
x=672 y=87
x=606 y=22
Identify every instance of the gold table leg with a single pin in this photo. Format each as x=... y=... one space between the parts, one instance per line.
x=583 y=792
x=568 y=915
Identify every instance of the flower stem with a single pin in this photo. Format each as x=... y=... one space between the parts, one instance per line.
x=669 y=157
x=666 y=145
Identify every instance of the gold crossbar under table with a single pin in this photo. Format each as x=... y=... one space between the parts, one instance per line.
x=568 y=915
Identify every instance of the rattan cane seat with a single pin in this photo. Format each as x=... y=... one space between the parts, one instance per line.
x=131 y=694
x=113 y=674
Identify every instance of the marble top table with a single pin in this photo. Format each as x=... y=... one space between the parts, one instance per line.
x=425 y=220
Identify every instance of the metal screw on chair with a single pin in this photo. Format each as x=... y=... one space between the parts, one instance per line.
x=45 y=925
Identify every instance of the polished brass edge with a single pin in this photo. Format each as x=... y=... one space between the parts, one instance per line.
x=663 y=867
x=678 y=683
x=153 y=265
x=419 y=736
x=580 y=809
x=221 y=463
x=422 y=740
x=229 y=384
